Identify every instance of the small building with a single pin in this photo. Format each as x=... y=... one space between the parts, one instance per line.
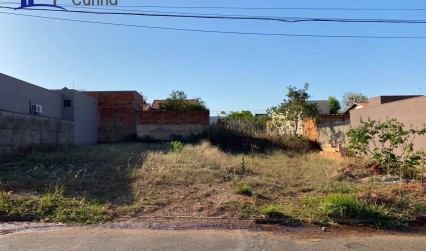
x=83 y=110
x=32 y=115
x=323 y=106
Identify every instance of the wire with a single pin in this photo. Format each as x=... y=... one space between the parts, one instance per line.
x=217 y=31
x=283 y=19
x=256 y=8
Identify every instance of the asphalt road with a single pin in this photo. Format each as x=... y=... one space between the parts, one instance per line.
x=124 y=239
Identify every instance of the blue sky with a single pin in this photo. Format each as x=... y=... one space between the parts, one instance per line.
x=229 y=72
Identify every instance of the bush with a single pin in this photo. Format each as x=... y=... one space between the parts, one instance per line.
x=387 y=138
x=244 y=190
x=176 y=146
x=178 y=101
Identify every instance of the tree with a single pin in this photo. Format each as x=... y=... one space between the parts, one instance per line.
x=334 y=105
x=351 y=98
x=178 y=101
x=246 y=116
x=294 y=110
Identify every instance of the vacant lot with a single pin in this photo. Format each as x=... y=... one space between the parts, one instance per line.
x=105 y=182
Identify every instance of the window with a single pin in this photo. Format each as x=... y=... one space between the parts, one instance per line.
x=67 y=103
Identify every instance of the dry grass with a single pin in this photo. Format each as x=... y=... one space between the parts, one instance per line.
x=201 y=180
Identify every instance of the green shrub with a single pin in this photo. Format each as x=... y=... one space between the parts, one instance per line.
x=178 y=101
x=244 y=190
x=176 y=146
x=388 y=138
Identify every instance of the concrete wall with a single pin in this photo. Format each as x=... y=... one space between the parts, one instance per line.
x=411 y=112
x=388 y=99
x=334 y=134
x=21 y=130
x=166 y=125
x=18 y=96
x=84 y=113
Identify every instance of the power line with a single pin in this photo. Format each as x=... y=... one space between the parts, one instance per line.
x=257 y=8
x=218 y=31
x=255 y=18
x=272 y=8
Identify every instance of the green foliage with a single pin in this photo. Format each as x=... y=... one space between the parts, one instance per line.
x=178 y=101
x=351 y=98
x=176 y=146
x=347 y=206
x=244 y=190
x=334 y=105
x=272 y=211
x=294 y=110
x=52 y=206
x=244 y=116
x=387 y=144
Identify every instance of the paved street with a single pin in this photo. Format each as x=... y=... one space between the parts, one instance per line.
x=123 y=239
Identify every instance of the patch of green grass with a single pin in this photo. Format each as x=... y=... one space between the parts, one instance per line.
x=53 y=207
x=244 y=190
x=350 y=207
x=272 y=211
x=340 y=188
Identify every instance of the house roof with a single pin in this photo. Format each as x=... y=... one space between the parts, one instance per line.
x=323 y=105
x=156 y=104
x=357 y=106
x=363 y=104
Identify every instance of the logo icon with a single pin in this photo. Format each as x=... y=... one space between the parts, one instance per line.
x=30 y=3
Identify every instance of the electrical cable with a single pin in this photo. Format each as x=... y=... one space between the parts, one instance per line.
x=218 y=31
x=279 y=19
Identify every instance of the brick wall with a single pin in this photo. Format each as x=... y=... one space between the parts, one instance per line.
x=166 y=125
x=118 y=114
x=174 y=118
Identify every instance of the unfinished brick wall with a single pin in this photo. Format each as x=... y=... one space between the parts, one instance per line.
x=166 y=125
x=118 y=114
x=174 y=117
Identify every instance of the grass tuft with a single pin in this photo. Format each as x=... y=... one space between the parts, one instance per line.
x=272 y=211
x=244 y=190
x=350 y=207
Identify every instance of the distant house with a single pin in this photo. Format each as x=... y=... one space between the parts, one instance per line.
x=31 y=115
x=323 y=106
x=357 y=106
